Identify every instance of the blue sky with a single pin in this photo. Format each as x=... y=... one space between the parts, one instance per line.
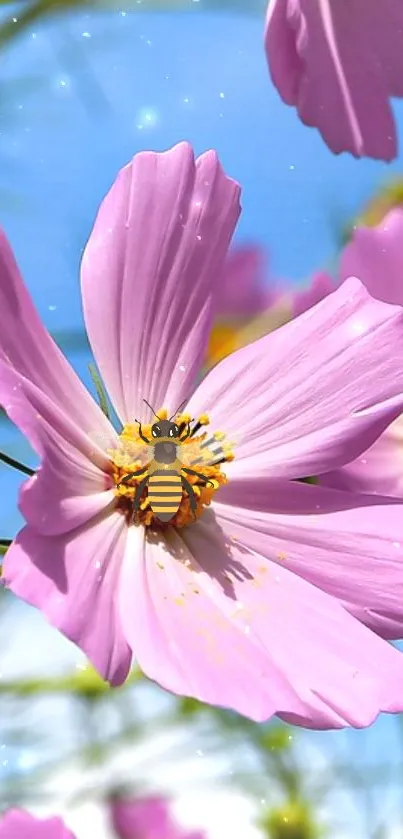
x=109 y=85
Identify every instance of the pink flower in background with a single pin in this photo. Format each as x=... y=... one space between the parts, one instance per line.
x=301 y=299
x=339 y=63
x=17 y=824
x=375 y=254
x=149 y=817
x=243 y=290
x=244 y=297
x=218 y=608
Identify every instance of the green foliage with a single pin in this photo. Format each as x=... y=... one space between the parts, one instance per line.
x=276 y=738
x=85 y=683
x=188 y=707
x=294 y=820
x=4 y=545
x=34 y=12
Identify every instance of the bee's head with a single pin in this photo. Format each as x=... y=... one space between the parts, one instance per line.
x=165 y=428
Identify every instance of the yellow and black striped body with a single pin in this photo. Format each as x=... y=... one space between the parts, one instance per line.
x=164 y=490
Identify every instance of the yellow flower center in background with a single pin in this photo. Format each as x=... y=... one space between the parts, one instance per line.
x=205 y=453
x=230 y=335
x=223 y=341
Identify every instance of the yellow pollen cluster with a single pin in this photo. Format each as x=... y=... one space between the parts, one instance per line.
x=133 y=455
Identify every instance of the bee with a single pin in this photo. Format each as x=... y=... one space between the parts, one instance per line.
x=166 y=463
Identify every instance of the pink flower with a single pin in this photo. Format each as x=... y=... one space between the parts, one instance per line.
x=339 y=63
x=17 y=824
x=146 y=818
x=303 y=299
x=244 y=301
x=375 y=254
x=243 y=290
x=253 y=606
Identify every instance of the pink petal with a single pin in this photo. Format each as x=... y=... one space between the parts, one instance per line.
x=313 y=394
x=208 y=618
x=350 y=546
x=26 y=345
x=149 y=275
x=63 y=494
x=17 y=824
x=375 y=255
x=379 y=470
x=285 y=63
x=338 y=64
x=72 y=485
x=383 y=23
x=73 y=579
x=319 y=287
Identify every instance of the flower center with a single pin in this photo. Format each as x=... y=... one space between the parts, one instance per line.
x=166 y=472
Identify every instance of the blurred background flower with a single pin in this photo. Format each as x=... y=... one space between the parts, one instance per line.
x=81 y=92
x=17 y=824
x=146 y=818
x=339 y=65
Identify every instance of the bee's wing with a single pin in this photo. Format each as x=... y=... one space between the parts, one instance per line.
x=197 y=454
x=129 y=452
x=122 y=451
x=102 y=441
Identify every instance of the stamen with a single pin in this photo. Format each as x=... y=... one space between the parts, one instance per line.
x=203 y=420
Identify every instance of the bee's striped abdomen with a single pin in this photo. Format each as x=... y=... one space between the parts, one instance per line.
x=165 y=493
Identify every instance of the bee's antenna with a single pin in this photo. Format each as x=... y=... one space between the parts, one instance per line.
x=177 y=410
x=156 y=415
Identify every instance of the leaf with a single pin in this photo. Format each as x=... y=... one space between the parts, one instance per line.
x=101 y=392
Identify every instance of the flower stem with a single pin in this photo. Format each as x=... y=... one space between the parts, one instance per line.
x=16 y=464
x=86 y=683
x=4 y=545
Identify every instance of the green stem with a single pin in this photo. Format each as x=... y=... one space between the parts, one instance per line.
x=4 y=546
x=16 y=464
x=86 y=683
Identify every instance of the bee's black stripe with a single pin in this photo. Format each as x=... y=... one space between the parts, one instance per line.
x=168 y=494
x=165 y=505
x=165 y=491
x=163 y=483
